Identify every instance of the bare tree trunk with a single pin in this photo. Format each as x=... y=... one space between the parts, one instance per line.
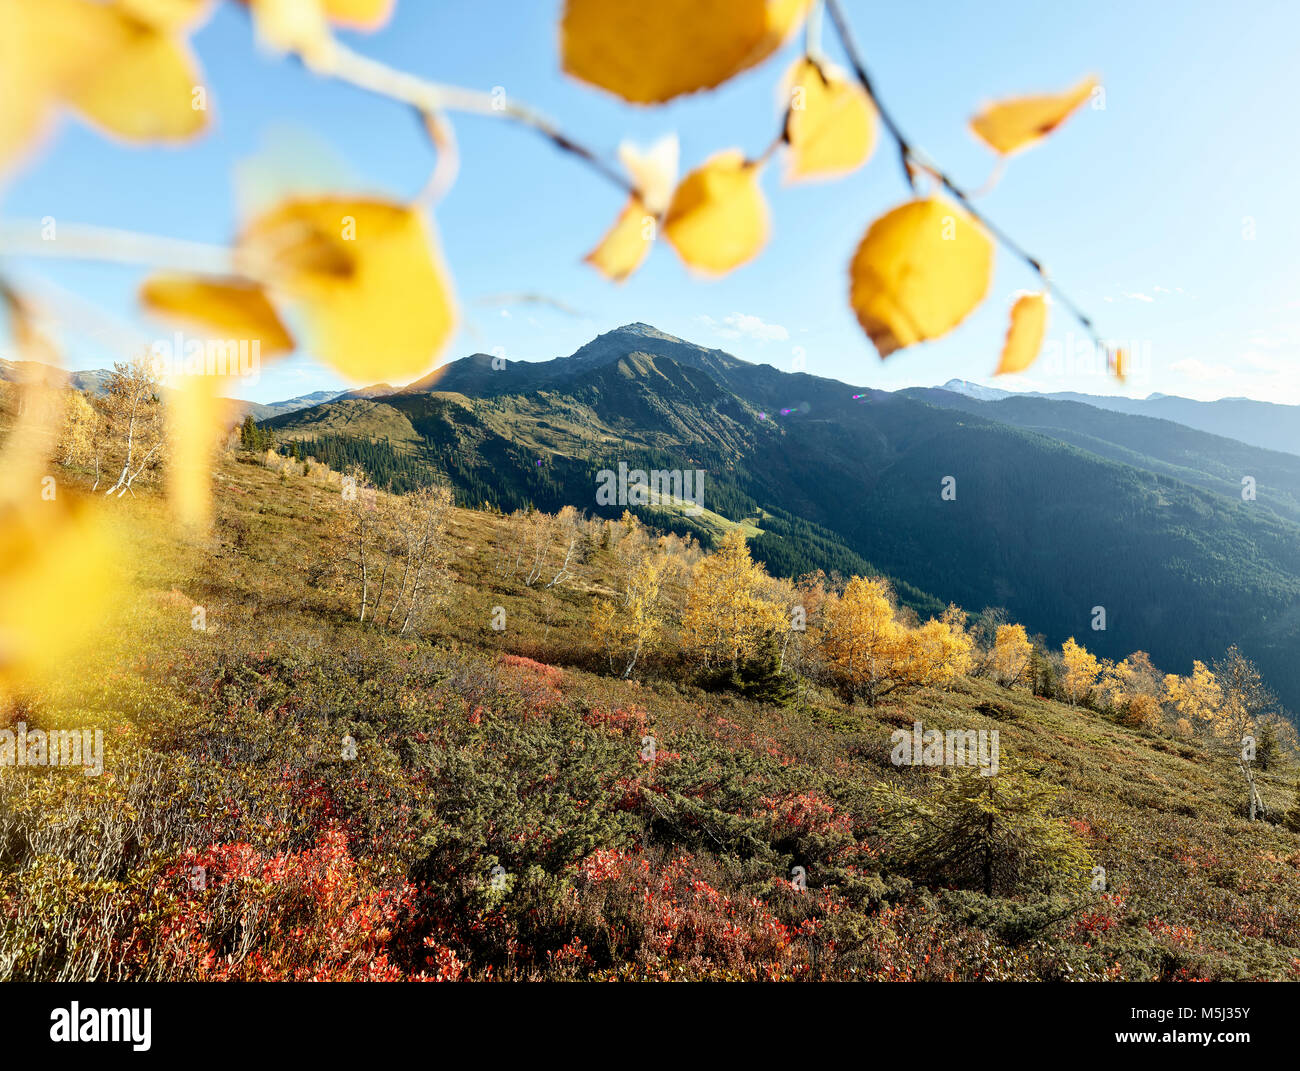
x=410 y=606
x=130 y=445
x=383 y=582
x=365 y=576
x=636 y=651
x=563 y=572
x=139 y=470
x=1257 y=811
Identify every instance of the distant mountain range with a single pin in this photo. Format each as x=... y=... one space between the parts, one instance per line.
x=96 y=379
x=92 y=380
x=261 y=411
x=1266 y=424
x=1060 y=506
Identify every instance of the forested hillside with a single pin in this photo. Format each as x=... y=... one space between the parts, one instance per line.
x=1055 y=509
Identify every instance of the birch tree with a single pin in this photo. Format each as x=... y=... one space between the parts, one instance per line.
x=132 y=412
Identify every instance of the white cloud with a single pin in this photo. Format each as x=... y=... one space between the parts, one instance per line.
x=742 y=325
x=1249 y=373
x=1202 y=372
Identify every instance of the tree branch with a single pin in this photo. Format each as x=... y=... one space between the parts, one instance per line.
x=913 y=158
x=432 y=98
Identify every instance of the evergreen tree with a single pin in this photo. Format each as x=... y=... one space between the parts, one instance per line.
x=991 y=833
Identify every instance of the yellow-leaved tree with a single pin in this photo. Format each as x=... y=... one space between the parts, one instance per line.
x=1010 y=655
x=940 y=651
x=1197 y=698
x=628 y=626
x=727 y=616
x=1132 y=689
x=864 y=644
x=1232 y=704
x=1081 y=670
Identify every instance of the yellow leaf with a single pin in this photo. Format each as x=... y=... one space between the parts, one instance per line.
x=143 y=86
x=718 y=218
x=197 y=411
x=237 y=308
x=1008 y=125
x=648 y=53
x=1117 y=361
x=653 y=171
x=59 y=564
x=626 y=244
x=359 y=14
x=302 y=26
x=367 y=277
x=1025 y=335
x=832 y=125
x=25 y=99
x=165 y=14
x=197 y=415
x=919 y=271
x=43 y=47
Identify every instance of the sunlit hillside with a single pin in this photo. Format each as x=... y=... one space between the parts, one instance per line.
x=291 y=793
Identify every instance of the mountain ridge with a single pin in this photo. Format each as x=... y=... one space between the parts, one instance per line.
x=1059 y=507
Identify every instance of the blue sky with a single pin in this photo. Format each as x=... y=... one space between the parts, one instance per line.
x=1144 y=210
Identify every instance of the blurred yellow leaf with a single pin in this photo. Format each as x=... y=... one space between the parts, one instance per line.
x=198 y=413
x=832 y=126
x=648 y=53
x=919 y=271
x=197 y=409
x=143 y=87
x=1008 y=125
x=237 y=308
x=59 y=564
x=718 y=219
x=367 y=277
x=43 y=47
x=1025 y=334
x=116 y=63
x=359 y=14
x=626 y=244
x=166 y=14
x=653 y=171
x=1117 y=361
x=292 y=26
x=302 y=26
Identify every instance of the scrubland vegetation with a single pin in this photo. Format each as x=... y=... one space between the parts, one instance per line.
x=411 y=741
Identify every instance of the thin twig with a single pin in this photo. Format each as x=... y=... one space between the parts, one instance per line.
x=842 y=31
x=344 y=64
x=812 y=33
x=85 y=241
x=912 y=159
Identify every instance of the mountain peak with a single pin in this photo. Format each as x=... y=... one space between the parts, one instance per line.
x=641 y=330
x=974 y=390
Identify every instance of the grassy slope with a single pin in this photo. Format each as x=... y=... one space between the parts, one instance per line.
x=1197 y=891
